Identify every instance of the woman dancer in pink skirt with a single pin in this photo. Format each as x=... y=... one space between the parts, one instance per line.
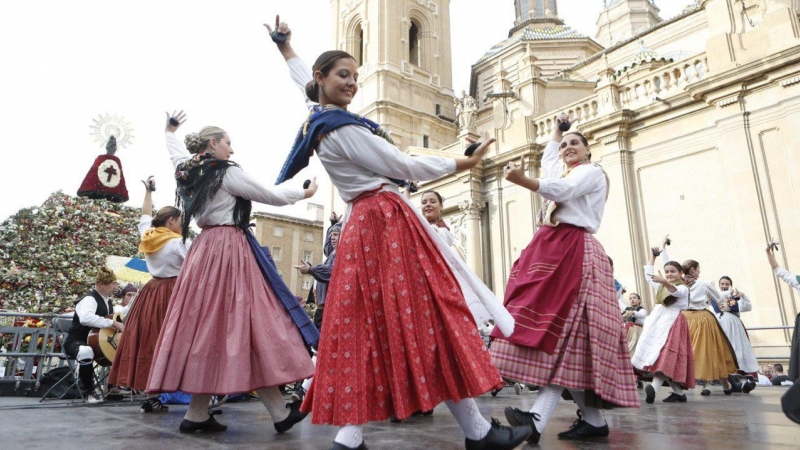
x=226 y=331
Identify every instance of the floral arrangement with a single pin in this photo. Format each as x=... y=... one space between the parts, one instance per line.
x=49 y=254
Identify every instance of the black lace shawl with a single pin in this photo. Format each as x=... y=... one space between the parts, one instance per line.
x=198 y=180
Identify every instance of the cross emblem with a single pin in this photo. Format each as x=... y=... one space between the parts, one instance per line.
x=111 y=171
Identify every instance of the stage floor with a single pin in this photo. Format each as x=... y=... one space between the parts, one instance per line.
x=739 y=421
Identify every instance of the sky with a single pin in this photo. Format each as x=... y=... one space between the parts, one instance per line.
x=65 y=63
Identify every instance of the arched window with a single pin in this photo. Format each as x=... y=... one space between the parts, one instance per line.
x=362 y=54
x=413 y=44
x=357 y=48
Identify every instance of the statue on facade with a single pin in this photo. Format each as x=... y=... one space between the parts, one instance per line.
x=466 y=111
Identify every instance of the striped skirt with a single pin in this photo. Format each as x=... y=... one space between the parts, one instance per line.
x=592 y=350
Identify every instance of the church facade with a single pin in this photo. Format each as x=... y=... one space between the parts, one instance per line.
x=691 y=118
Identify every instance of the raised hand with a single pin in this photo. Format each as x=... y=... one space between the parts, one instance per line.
x=280 y=27
x=174 y=121
x=515 y=171
x=150 y=184
x=659 y=278
x=312 y=188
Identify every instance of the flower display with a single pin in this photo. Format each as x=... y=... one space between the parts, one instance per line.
x=50 y=254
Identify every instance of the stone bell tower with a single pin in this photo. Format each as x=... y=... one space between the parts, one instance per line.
x=405 y=74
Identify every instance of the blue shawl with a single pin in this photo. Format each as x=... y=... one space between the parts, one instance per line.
x=321 y=121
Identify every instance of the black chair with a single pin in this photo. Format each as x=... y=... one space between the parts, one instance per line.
x=61 y=326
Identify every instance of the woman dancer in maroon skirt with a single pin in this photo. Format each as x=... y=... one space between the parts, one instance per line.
x=225 y=330
x=568 y=332
x=399 y=336
x=164 y=251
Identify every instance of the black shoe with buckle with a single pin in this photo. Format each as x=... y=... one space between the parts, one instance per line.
x=499 y=437
x=675 y=398
x=581 y=429
x=705 y=392
x=294 y=417
x=338 y=446
x=748 y=386
x=208 y=426
x=517 y=418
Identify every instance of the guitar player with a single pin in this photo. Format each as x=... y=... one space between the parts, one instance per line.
x=90 y=312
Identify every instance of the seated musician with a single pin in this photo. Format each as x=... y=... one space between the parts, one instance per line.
x=90 y=312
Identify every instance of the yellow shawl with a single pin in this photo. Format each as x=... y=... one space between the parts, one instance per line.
x=155 y=239
x=664 y=297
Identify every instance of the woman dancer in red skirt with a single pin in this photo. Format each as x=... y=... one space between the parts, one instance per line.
x=226 y=329
x=561 y=294
x=399 y=336
x=164 y=251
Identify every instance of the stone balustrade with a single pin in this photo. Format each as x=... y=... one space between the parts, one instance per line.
x=663 y=82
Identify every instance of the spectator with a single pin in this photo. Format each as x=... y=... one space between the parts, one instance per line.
x=779 y=377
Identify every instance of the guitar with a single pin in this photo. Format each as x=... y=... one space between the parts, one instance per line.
x=104 y=342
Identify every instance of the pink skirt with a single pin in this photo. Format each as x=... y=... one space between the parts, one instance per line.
x=225 y=332
x=399 y=336
x=676 y=359
x=592 y=350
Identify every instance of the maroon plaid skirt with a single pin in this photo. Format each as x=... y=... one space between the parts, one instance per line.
x=592 y=351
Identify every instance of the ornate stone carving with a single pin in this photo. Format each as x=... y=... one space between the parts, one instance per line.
x=466 y=112
x=458 y=226
x=472 y=208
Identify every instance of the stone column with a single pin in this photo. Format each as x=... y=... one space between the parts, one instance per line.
x=472 y=216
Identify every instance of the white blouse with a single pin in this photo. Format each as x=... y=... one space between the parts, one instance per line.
x=581 y=196
x=357 y=161
x=701 y=293
x=167 y=261
x=237 y=183
x=682 y=294
x=446 y=235
x=788 y=277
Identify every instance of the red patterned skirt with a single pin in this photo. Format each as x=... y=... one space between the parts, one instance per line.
x=142 y=325
x=592 y=350
x=225 y=331
x=399 y=336
x=676 y=359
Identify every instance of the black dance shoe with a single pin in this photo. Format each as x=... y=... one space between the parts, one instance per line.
x=394 y=419
x=518 y=418
x=581 y=429
x=338 y=446
x=748 y=386
x=705 y=392
x=675 y=398
x=295 y=416
x=499 y=437
x=650 y=394
x=208 y=426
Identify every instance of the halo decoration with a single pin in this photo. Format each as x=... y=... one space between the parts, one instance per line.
x=107 y=125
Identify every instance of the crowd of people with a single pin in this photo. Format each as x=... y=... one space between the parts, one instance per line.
x=404 y=315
